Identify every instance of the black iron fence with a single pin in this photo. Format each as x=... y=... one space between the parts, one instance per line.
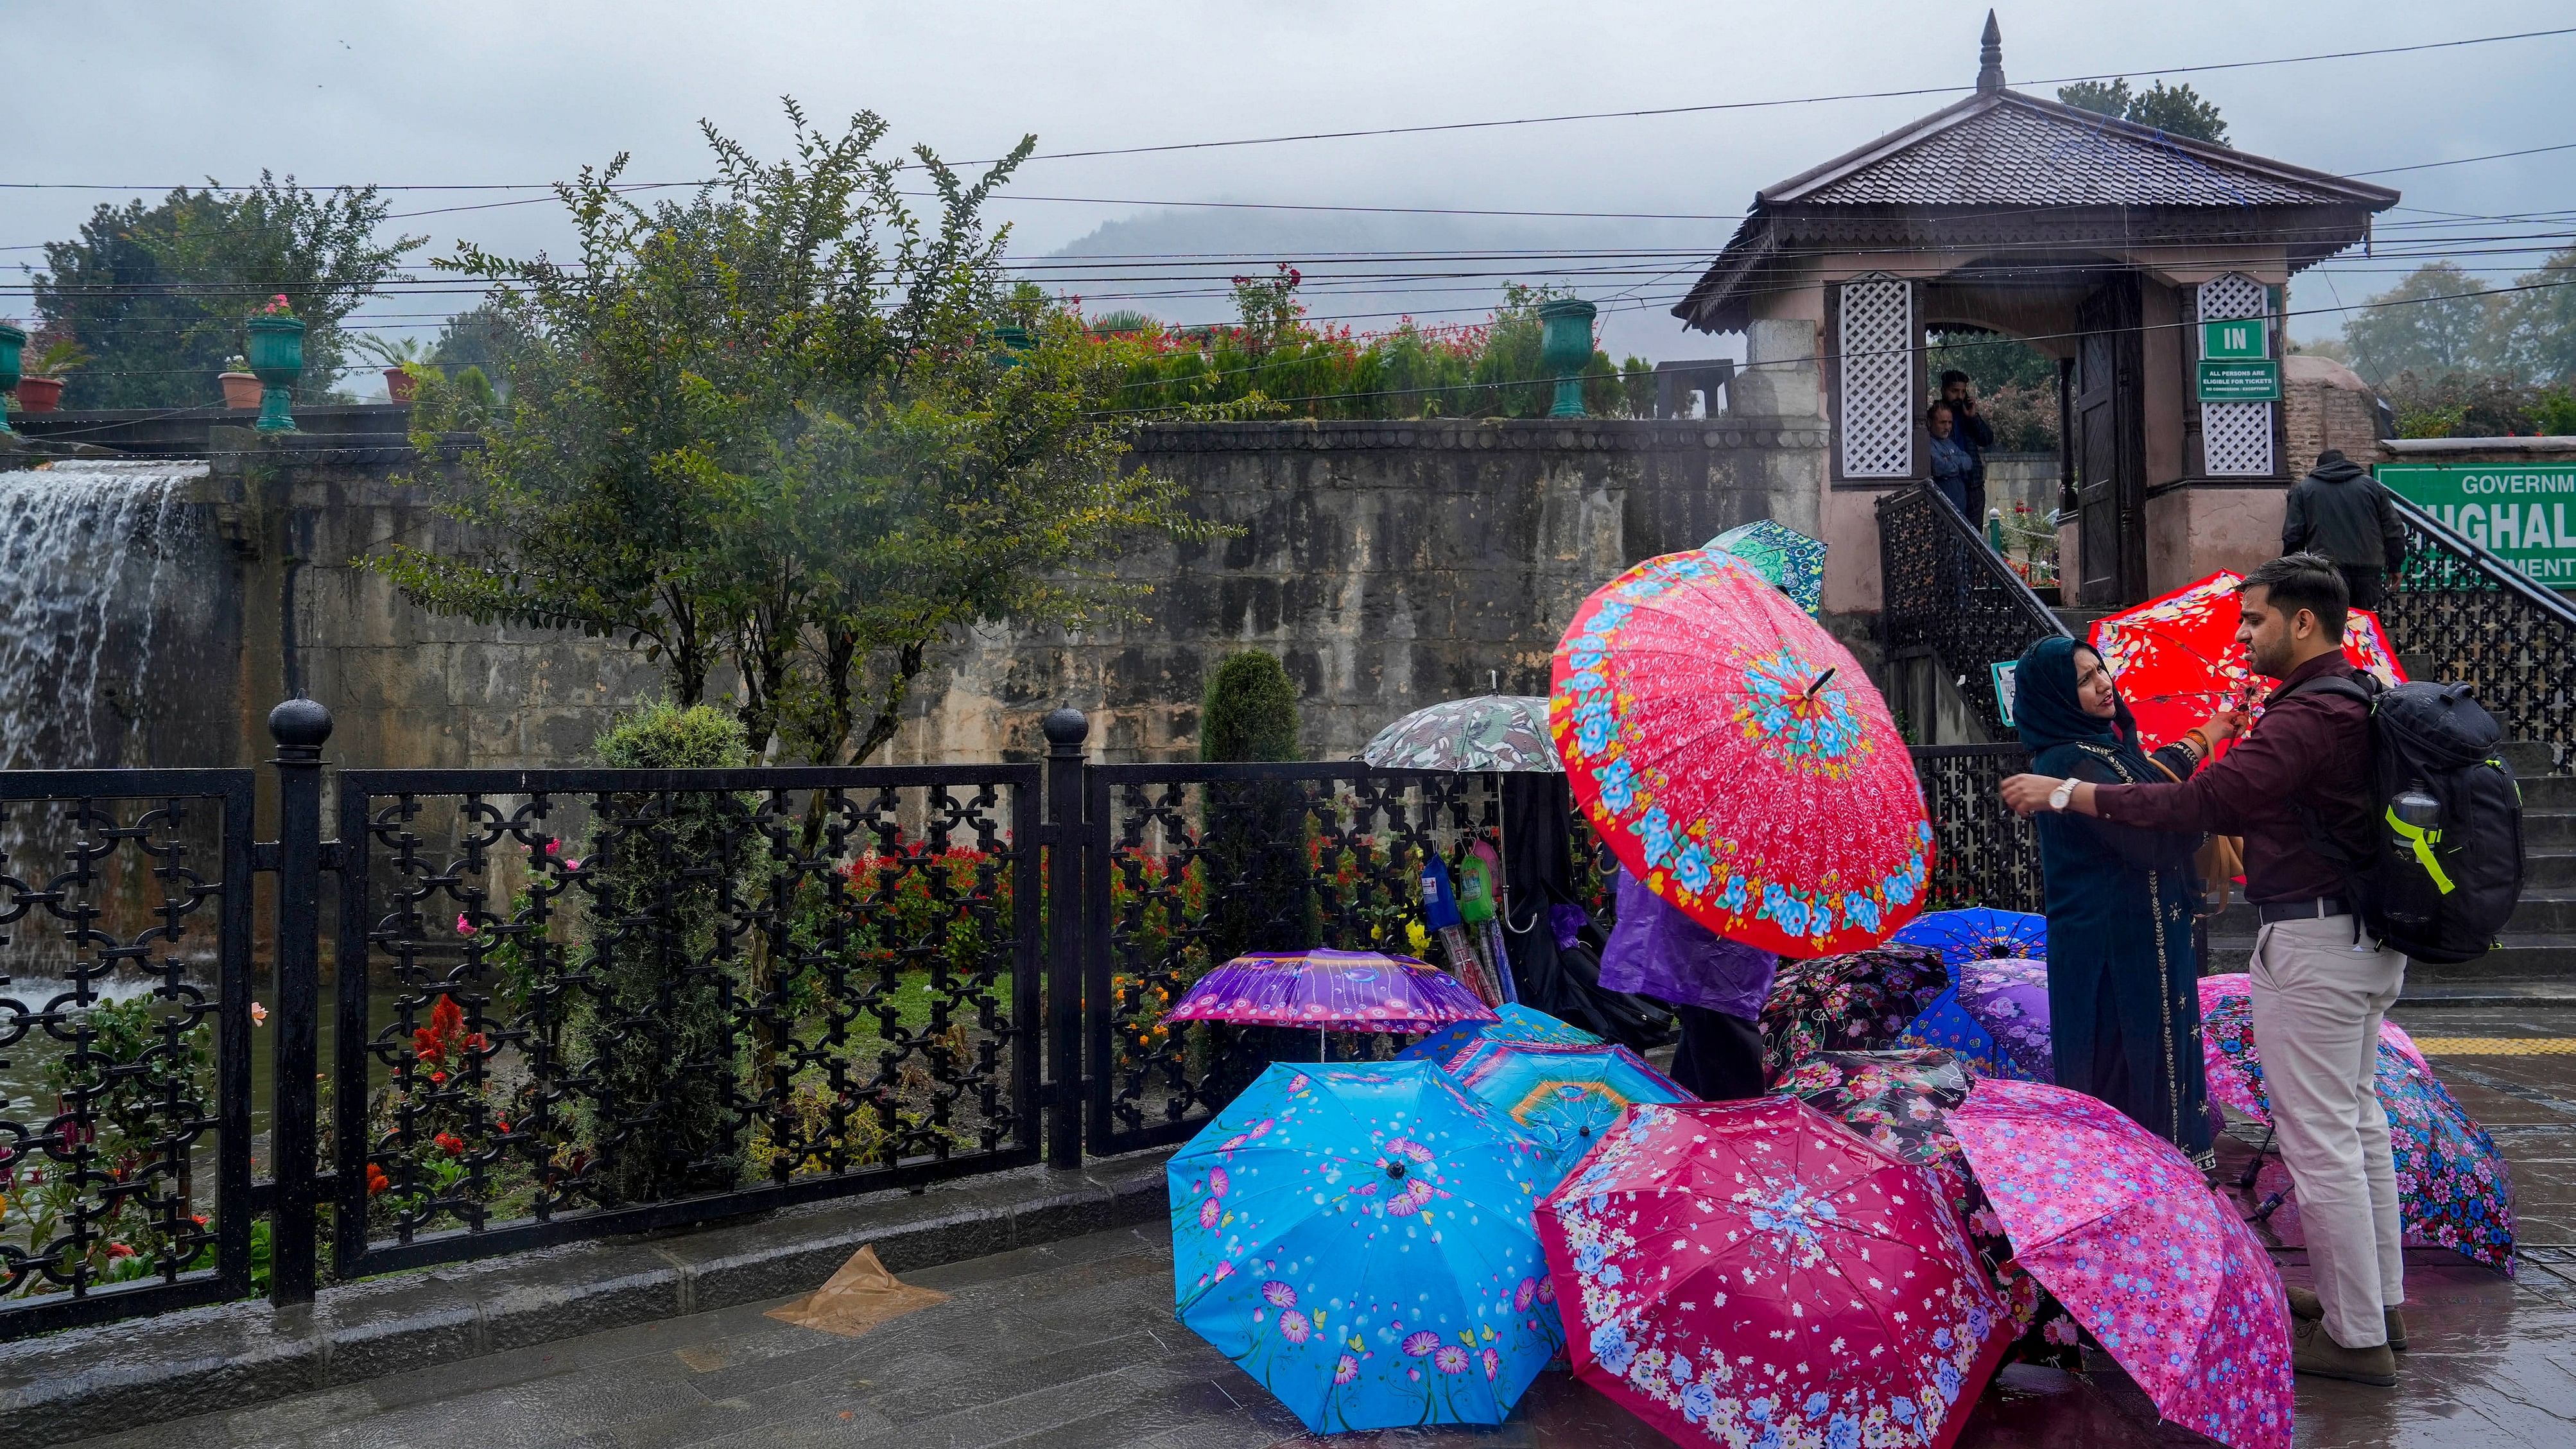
x=2459 y=612
x=1946 y=590
x=559 y=1004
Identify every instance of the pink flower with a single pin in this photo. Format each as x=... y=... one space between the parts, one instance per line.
x=1293 y=1325
x=1218 y=1182
x=1547 y=1288
x=464 y=927
x=1209 y=1212
x=1522 y=1296
x=1346 y=1369
x=1493 y=1365
x=1224 y=1271
x=1279 y=1294
x=1419 y=1343
x=1451 y=1359
x=258 y=1014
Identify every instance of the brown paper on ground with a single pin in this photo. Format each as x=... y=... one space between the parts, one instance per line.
x=859 y=1297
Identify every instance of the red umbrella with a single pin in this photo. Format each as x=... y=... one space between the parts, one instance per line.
x=1737 y=760
x=1737 y=1272
x=2178 y=662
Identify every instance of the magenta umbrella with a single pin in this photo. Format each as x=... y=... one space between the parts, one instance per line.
x=2120 y=1225
x=1326 y=989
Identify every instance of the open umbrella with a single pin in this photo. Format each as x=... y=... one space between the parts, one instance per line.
x=2122 y=1228
x=1995 y=1019
x=1734 y=758
x=2177 y=660
x=1792 y=562
x=1450 y=1044
x=2453 y=1187
x=1359 y=1239
x=1365 y=990
x=1491 y=732
x=1567 y=1097
x=1750 y=1272
x=1978 y=933
x=1858 y=1001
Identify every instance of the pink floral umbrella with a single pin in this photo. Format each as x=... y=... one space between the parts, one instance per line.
x=2118 y=1224
x=2234 y=1071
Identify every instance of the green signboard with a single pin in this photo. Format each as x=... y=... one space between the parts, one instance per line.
x=2525 y=512
x=2240 y=340
x=2231 y=381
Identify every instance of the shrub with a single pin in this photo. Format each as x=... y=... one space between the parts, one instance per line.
x=1249 y=711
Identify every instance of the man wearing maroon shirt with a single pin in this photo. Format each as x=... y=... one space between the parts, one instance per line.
x=2320 y=984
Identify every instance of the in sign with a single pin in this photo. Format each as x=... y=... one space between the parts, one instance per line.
x=2238 y=339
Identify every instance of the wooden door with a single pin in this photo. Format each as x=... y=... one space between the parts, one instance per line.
x=2110 y=448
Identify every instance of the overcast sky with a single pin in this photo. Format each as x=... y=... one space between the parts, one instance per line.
x=148 y=93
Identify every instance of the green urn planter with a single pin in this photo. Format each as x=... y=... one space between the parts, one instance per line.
x=276 y=353
x=1565 y=349
x=13 y=344
x=1013 y=341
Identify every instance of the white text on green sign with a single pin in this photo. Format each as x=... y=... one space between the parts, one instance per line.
x=2240 y=381
x=2525 y=512
x=2239 y=340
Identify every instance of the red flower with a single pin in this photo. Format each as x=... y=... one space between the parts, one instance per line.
x=376 y=1180
x=450 y=1143
x=119 y=1250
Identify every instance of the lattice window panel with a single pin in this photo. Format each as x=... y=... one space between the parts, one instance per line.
x=2235 y=438
x=1876 y=329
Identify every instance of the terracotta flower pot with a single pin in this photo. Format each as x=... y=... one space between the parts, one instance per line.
x=39 y=394
x=241 y=390
x=400 y=385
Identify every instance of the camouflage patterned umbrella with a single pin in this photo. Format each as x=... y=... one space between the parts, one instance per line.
x=1471 y=736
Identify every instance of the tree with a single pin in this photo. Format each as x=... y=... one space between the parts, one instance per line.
x=772 y=428
x=480 y=336
x=159 y=294
x=1249 y=711
x=2537 y=324
x=2436 y=321
x=2174 y=110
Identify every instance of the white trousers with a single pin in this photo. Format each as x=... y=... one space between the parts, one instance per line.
x=2317 y=1008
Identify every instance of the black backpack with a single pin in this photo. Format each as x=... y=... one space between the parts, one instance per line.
x=2445 y=870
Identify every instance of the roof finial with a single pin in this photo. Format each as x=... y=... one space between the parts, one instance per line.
x=1990 y=58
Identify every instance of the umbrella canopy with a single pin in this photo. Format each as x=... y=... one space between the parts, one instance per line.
x=1995 y=1019
x=1792 y=562
x=1751 y=1272
x=1359 y=1239
x=1860 y=1001
x=1506 y=732
x=1368 y=990
x=1733 y=756
x=1978 y=933
x=1899 y=1100
x=1567 y=1097
x=2122 y=1228
x=2453 y=1188
x=2177 y=660
x=1450 y=1045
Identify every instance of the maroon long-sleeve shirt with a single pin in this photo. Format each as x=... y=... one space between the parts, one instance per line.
x=2311 y=747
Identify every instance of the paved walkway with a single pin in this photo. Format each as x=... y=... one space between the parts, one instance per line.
x=1073 y=1345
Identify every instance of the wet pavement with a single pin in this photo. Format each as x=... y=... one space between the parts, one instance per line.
x=1073 y=1345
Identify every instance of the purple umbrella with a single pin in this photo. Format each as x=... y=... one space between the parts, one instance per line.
x=1365 y=990
x=2008 y=996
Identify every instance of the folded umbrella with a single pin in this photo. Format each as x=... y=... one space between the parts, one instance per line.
x=1752 y=1273
x=1858 y=1001
x=1567 y=1097
x=1734 y=758
x=1978 y=933
x=2123 y=1229
x=1450 y=1044
x=1359 y=1240
x=2454 y=1189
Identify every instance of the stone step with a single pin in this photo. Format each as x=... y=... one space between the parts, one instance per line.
x=2548 y=869
x=2548 y=830
x=2541 y=911
x=2554 y=793
x=2536 y=960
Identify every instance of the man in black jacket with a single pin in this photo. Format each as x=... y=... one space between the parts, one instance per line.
x=1972 y=432
x=2340 y=511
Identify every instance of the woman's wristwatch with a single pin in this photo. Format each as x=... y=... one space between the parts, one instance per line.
x=2063 y=795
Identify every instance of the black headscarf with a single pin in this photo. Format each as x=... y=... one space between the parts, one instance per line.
x=2047 y=712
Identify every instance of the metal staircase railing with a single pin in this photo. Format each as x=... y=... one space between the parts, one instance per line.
x=2460 y=612
x=1947 y=591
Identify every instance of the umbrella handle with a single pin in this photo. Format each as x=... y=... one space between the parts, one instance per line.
x=2246 y=1180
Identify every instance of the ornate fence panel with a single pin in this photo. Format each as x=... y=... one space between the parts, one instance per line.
x=1190 y=865
x=1983 y=854
x=1947 y=591
x=125 y=1043
x=575 y=1002
x=2459 y=612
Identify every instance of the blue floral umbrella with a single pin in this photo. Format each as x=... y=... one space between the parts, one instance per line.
x=1449 y=1045
x=1568 y=1097
x=1978 y=933
x=1360 y=1240
x=1986 y=1018
x=1793 y=562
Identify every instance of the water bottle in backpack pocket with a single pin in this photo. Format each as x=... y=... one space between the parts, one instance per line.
x=2446 y=869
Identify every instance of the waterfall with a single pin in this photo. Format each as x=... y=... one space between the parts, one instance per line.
x=86 y=550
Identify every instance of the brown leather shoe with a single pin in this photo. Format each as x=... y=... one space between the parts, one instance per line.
x=2314 y=1351
x=2304 y=1304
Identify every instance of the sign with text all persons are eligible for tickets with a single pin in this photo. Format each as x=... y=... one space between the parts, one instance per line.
x=2525 y=512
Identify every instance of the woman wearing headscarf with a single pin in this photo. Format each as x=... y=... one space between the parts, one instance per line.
x=2123 y=978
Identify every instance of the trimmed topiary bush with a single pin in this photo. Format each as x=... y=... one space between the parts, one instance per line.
x=1249 y=711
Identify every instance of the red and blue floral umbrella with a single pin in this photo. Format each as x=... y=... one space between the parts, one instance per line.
x=2177 y=660
x=1737 y=761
